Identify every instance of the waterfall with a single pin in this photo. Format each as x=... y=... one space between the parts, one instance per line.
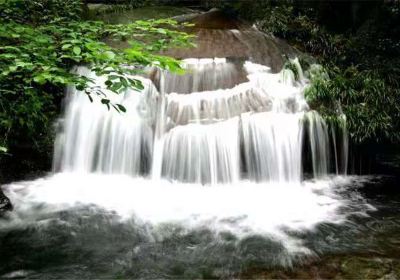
x=222 y=122
x=218 y=172
x=95 y=139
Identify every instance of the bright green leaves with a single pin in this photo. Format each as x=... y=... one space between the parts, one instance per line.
x=77 y=50
x=42 y=55
x=29 y=58
x=41 y=79
x=108 y=55
x=81 y=44
x=169 y=64
x=37 y=54
x=152 y=35
x=136 y=56
x=66 y=47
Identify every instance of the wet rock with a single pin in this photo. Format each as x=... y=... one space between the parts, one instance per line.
x=366 y=268
x=396 y=267
x=5 y=203
x=18 y=274
x=220 y=34
x=337 y=267
x=217 y=19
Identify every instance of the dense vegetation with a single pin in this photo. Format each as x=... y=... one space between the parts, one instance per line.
x=357 y=42
x=40 y=41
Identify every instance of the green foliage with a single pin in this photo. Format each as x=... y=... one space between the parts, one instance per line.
x=290 y=65
x=33 y=60
x=37 y=12
x=362 y=60
x=371 y=106
x=37 y=55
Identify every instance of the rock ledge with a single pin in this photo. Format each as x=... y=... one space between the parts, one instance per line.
x=5 y=203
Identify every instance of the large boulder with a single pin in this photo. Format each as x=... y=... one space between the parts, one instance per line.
x=5 y=203
x=221 y=34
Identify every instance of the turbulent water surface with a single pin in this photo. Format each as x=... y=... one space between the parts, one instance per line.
x=77 y=226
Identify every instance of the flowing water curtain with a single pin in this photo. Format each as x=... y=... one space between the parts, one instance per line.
x=95 y=139
x=202 y=153
x=204 y=75
x=272 y=146
x=253 y=130
x=319 y=143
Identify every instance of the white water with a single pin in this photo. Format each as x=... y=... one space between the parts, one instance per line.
x=245 y=206
x=254 y=130
x=229 y=159
x=244 y=209
x=96 y=139
x=202 y=75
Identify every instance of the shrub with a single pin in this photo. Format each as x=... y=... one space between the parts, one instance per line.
x=36 y=56
x=361 y=59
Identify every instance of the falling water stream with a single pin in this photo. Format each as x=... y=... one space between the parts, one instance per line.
x=207 y=174
x=252 y=131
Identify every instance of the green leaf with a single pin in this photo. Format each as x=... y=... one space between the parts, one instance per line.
x=77 y=50
x=139 y=85
x=105 y=101
x=80 y=87
x=41 y=80
x=121 y=108
x=116 y=86
x=66 y=46
x=113 y=77
x=109 y=55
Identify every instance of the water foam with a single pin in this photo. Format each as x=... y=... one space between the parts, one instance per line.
x=242 y=207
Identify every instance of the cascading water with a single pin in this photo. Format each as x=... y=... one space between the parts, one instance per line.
x=253 y=130
x=95 y=139
x=214 y=165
